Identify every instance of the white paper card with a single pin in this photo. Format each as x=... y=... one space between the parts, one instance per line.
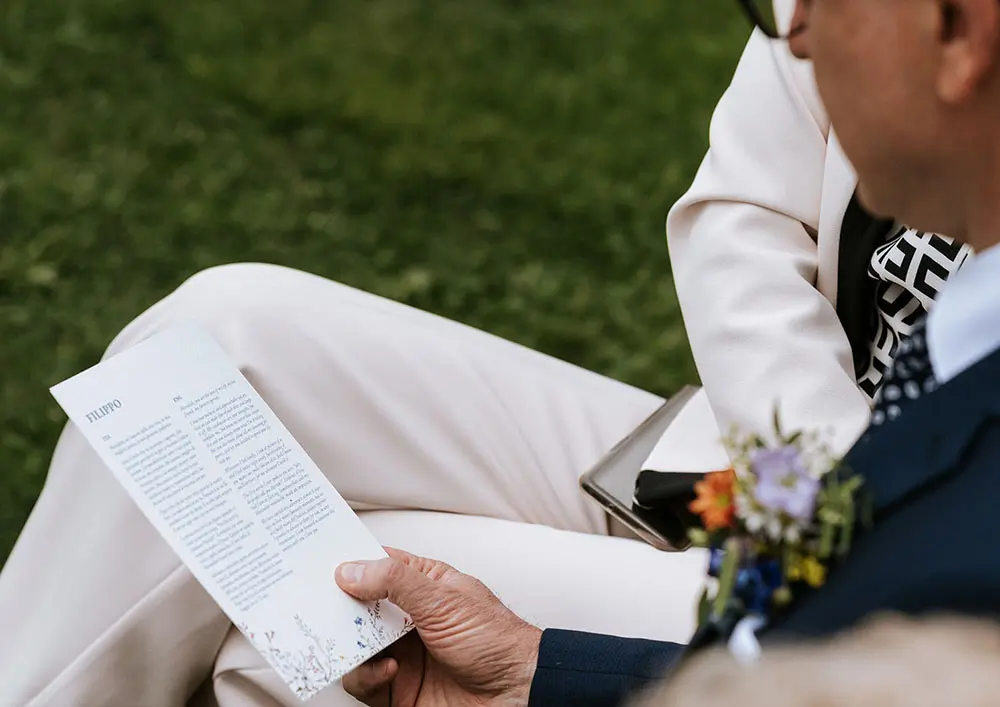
x=237 y=499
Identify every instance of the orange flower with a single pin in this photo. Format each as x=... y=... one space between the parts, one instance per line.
x=715 y=500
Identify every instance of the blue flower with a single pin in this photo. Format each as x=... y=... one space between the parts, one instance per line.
x=754 y=589
x=358 y=621
x=715 y=558
x=770 y=573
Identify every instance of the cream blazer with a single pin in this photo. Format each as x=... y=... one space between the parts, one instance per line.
x=754 y=246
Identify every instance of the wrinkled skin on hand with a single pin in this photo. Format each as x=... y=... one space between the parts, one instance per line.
x=467 y=649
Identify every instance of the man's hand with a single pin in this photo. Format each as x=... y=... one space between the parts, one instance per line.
x=468 y=649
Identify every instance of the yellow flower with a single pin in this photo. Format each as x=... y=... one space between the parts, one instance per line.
x=814 y=572
x=808 y=570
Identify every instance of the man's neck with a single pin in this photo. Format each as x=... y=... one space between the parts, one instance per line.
x=984 y=227
x=982 y=202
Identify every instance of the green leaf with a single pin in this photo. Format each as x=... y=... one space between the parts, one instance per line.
x=787 y=555
x=853 y=484
x=826 y=540
x=698 y=537
x=777 y=423
x=704 y=607
x=727 y=577
x=847 y=532
x=829 y=516
x=833 y=485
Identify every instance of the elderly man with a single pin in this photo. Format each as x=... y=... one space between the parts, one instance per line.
x=913 y=87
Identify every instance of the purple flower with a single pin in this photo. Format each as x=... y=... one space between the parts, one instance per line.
x=783 y=482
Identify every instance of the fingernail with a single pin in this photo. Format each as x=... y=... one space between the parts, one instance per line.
x=352 y=572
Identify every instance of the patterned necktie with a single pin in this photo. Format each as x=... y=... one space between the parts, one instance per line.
x=909 y=377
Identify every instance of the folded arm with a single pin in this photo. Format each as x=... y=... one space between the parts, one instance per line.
x=745 y=263
x=745 y=258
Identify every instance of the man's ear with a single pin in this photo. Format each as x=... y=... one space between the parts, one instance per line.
x=797 y=26
x=969 y=37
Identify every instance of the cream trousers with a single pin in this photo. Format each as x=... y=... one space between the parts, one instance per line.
x=450 y=442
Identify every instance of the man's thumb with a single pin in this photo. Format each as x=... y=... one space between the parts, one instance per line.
x=406 y=587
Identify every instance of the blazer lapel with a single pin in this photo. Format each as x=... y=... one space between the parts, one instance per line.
x=839 y=183
x=901 y=458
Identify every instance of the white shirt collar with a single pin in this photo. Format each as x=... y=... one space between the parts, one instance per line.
x=963 y=326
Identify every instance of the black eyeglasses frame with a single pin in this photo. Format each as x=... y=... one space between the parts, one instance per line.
x=757 y=20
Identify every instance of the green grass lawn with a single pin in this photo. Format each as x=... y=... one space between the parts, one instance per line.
x=502 y=162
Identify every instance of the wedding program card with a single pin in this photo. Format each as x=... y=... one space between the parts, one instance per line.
x=237 y=499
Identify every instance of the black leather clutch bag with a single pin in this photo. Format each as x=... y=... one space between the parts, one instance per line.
x=662 y=499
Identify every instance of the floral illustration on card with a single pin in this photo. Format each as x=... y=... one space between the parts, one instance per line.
x=308 y=668
x=372 y=633
x=308 y=663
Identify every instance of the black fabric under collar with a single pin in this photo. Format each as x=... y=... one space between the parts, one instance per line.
x=860 y=234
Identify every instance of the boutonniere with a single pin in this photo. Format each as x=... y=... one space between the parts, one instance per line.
x=774 y=522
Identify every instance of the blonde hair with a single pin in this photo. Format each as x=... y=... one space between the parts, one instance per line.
x=890 y=661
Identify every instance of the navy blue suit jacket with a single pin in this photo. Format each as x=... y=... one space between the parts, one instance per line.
x=934 y=476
